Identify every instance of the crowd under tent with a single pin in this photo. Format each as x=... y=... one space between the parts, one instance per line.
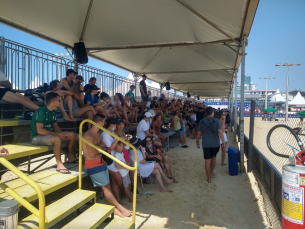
x=194 y=45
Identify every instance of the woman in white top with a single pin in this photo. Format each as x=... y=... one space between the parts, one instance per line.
x=111 y=144
x=222 y=119
x=134 y=111
x=118 y=102
x=146 y=169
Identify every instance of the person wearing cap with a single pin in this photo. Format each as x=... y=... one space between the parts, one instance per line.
x=92 y=100
x=7 y=95
x=92 y=81
x=96 y=165
x=143 y=130
x=111 y=143
x=147 y=169
x=67 y=83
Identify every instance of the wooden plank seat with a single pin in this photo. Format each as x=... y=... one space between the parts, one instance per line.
x=167 y=135
x=21 y=122
x=49 y=181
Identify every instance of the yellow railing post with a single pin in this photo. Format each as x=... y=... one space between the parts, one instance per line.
x=40 y=213
x=135 y=168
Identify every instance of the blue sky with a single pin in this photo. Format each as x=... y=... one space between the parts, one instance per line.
x=277 y=36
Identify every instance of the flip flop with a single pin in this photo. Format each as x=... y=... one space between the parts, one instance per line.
x=72 y=162
x=59 y=170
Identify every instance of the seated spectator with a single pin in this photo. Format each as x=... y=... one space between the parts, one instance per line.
x=67 y=83
x=7 y=95
x=43 y=121
x=118 y=102
x=108 y=106
x=161 y=97
x=124 y=172
x=129 y=106
x=143 y=130
x=3 y=152
x=92 y=100
x=71 y=105
x=177 y=120
x=159 y=156
x=96 y=167
x=149 y=94
x=78 y=89
x=146 y=169
x=157 y=125
x=111 y=143
x=92 y=82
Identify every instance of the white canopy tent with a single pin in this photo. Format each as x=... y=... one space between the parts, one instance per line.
x=297 y=101
x=193 y=44
x=278 y=98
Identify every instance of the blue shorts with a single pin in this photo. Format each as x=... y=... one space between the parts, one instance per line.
x=99 y=175
x=179 y=132
x=183 y=129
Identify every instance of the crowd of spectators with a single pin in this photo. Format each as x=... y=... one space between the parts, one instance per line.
x=69 y=97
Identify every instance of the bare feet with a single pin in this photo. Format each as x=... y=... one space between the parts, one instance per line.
x=213 y=175
x=169 y=180
x=209 y=181
x=118 y=213
x=175 y=181
x=166 y=190
x=125 y=212
x=67 y=118
x=222 y=164
x=72 y=119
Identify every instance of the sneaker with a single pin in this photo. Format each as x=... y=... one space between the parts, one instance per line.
x=185 y=146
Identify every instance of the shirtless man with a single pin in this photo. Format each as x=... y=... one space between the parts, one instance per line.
x=97 y=167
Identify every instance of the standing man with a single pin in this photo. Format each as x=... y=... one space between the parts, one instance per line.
x=45 y=131
x=177 y=120
x=143 y=91
x=210 y=129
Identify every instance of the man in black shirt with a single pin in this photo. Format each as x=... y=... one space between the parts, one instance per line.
x=92 y=81
x=199 y=115
x=143 y=89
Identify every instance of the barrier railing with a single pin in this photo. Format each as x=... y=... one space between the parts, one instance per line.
x=135 y=168
x=40 y=213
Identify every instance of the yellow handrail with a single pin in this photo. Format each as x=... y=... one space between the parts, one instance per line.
x=39 y=213
x=135 y=168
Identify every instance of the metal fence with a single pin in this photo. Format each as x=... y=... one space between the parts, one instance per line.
x=266 y=166
x=28 y=68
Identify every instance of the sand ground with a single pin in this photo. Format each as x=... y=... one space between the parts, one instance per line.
x=228 y=202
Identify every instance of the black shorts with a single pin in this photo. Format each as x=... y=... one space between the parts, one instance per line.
x=3 y=91
x=144 y=98
x=208 y=153
x=191 y=126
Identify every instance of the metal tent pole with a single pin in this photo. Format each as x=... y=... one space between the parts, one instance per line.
x=235 y=109
x=242 y=107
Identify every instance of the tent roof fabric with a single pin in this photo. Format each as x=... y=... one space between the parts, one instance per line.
x=297 y=100
x=195 y=45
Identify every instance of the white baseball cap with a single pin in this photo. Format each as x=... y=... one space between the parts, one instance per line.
x=148 y=115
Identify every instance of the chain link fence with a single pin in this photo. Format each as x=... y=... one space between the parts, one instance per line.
x=266 y=166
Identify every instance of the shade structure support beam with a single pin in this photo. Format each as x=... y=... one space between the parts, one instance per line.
x=190 y=71
x=235 y=110
x=242 y=106
x=232 y=49
x=86 y=21
x=143 y=46
x=206 y=20
x=228 y=82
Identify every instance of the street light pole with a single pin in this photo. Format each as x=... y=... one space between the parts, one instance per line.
x=287 y=85
x=266 y=78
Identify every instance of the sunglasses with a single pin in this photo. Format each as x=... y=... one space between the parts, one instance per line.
x=148 y=140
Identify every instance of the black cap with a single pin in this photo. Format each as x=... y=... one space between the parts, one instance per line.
x=70 y=70
x=112 y=120
x=144 y=75
x=94 y=87
x=135 y=142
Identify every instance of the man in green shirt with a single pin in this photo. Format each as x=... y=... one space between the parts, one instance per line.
x=45 y=131
x=132 y=87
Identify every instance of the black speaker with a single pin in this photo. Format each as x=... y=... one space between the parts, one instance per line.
x=167 y=86
x=188 y=95
x=80 y=53
x=198 y=98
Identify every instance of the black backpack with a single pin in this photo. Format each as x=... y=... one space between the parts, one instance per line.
x=37 y=94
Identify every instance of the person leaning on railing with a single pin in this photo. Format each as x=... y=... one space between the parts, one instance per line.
x=7 y=95
x=96 y=167
x=43 y=121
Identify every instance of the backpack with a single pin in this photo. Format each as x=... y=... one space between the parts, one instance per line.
x=37 y=94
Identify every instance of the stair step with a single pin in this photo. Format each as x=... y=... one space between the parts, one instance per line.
x=120 y=223
x=60 y=209
x=92 y=217
x=49 y=181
